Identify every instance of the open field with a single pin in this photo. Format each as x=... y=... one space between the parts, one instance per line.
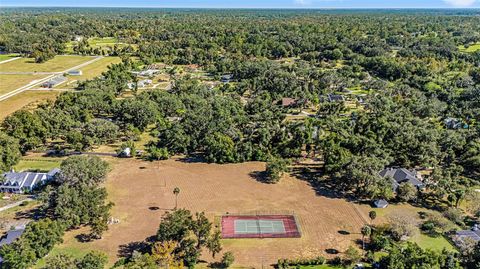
x=92 y=70
x=4 y=57
x=57 y=64
x=27 y=99
x=12 y=82
x=472 y=48
x=142 y=192
x=38 y=162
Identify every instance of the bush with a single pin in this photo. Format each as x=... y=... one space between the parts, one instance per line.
x=275 y=169
x=158 y=153
x=286 y=263
x=455 y=215
x=227 y=259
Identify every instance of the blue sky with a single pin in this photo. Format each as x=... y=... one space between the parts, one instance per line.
x=253 y=3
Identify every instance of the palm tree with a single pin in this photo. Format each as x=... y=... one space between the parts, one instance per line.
x=176 y=191
x=366 y=231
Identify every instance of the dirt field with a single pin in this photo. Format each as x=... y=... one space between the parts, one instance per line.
x=142 y=191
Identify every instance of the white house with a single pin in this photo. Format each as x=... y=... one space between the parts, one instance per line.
x=20 y=182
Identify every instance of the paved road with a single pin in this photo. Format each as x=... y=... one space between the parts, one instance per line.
x=9 y=60
x=15 y=204
x=40 y=81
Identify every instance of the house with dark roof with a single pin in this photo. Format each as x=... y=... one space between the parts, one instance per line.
x=11 y=236
x=402 y=175
x=21 y=182
x=226 y=78
x=473 y=235
x=336 y=98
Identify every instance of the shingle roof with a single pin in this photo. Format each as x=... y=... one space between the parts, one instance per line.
x=11 y=236
x=401 y=175
x=474 y=235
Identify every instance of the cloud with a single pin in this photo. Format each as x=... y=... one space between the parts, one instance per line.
x=460 y=3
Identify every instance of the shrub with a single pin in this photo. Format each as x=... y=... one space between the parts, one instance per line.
x=286 y=263
x=228 y=259
x=158 y=153
x=455 y=215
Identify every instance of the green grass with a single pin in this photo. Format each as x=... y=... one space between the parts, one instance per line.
x=323 y=266
x=4 y=57
x=57 y=64
x=72 y=251
x=43 y=164
x=472 y=48
x=91 y=71
x=13 y=82
x=434 y=243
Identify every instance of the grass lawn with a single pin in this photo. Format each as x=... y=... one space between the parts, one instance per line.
x=13 y=82
x=472 y=48
x=323 y=266
x=92 y=70
x=57 y=64
x=37 y=163
x=27 y=99
x=70 y=246
x=4 y=57
x=435 y=243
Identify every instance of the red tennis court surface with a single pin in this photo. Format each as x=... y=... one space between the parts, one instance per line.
x=265 y=226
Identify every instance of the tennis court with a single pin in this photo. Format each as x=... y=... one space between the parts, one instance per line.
x=259 y=227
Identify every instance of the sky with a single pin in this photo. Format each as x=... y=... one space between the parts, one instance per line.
x=253 y=3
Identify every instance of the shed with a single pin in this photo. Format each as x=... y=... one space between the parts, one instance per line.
x=380 y=203
x=75 y=72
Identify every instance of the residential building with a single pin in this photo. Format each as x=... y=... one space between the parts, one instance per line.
x=21 y=182
x=402 y=175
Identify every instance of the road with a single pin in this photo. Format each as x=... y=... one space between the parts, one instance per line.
x=15 y=204
x=9 y=60
x=40 y=81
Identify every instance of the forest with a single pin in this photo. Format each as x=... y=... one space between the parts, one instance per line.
x=414 y=80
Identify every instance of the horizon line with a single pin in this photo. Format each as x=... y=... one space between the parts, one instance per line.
x=218 y=7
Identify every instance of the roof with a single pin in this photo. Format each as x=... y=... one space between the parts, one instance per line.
x=380 y=203
x=336 y=98
x=56 y=80
x=11 y=236
x=288 y=101
x=401 y=175
x=75 y=72
x=473 y=234
x=26 y=179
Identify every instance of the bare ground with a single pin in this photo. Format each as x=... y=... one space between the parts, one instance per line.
x=142 y=192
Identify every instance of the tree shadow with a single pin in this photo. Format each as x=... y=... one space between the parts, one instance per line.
x=84 y=238
x=34 y=213
x=126 y=250
x=332 y=251
x=259 y=176
x=192 y=158
x=343 y=232
x=323 y=186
